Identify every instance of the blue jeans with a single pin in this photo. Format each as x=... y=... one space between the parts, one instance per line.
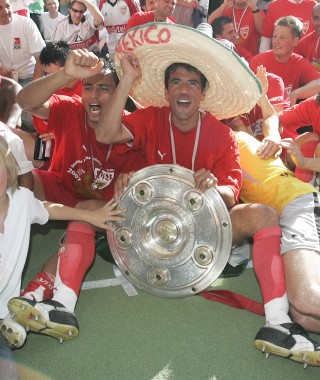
x=8 y=369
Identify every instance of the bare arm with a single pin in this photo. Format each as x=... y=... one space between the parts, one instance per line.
x=109 y=129
x=304 y=92
x=204 y=180
x=227 y=195
x=298 y=158
x=97 y=15
x=266 y=107
x=26 y=180
x=8 y=99
x=257 y=17
x=270 y=146
x=219 y=11
x=34 y=97
x=38 y=70
x=97 y=218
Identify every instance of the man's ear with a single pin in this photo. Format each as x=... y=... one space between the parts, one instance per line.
x=296 y=41
x=166 y=95
x=203 y=95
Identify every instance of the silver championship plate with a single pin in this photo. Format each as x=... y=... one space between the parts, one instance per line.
x=175 y=241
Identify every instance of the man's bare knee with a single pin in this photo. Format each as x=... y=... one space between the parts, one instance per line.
x=248 y=219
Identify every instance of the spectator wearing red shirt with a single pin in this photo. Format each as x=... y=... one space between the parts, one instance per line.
x=247 y=19
x=308 y=46
x=295 y=71
x=223 y=29
x=162 y=12
x=305 y=113
x=302 y=9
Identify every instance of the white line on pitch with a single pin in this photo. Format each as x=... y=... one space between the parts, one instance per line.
x=100 y=283
x=115 y=281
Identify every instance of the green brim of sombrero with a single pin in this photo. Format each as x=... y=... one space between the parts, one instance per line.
x=233 y=87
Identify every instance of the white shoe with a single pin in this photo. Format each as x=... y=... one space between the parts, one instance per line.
x=14 y=333
x=47 y=317
x=289 y=340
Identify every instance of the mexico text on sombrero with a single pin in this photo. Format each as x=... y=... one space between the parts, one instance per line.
x=154 y=34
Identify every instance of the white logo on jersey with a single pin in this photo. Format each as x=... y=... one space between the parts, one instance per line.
x=161 y=155
x=244 y=32
x=123 y=10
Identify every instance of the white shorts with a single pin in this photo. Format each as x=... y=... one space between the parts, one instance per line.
x=300 y=224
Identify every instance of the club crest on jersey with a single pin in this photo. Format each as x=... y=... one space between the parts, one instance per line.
x=86 y=26
x=103 y=178
x=305 y=27
x=244 y=32
x=16 y=43
x=123 y=9
x=288 y=88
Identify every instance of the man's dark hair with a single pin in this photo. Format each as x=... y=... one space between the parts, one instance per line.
x=142 y=3
x=218 y=24
x=174 y=66
x=55 y=52
x=109 y=68
x=291 y=22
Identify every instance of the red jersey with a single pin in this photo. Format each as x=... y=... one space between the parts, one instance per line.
x=309 y=47
x=282 y=8
x=217 y=149
x=141 y=18
x=243 y=52
x=304 y=113
x=78 y=158
x=40 y=124
x=243 y=21
x=295 y=73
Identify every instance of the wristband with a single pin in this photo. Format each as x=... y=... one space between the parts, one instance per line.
x=256 y=10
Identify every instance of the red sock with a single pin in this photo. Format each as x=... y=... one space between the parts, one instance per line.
x=307 y=149
x=268 y=263
x=40 y=288
x=76 y=255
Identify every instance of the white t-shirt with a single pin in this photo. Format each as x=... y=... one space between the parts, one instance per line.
x=116 y=17
x=48 y=24
x=21 y=7
x=16 y=145
x=82 y=36
x=24 y=210
x=20 y=40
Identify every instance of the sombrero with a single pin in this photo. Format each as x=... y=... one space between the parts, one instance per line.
x=233 y=87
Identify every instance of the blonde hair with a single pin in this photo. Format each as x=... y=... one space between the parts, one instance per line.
x=7 y=159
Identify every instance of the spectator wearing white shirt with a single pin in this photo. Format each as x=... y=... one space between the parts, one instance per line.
x=20 y=47
x=81 y=29
x=50 y=19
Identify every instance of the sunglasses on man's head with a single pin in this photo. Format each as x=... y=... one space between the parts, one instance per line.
x=77 y=10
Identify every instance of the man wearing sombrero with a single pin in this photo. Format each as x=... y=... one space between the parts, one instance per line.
x=153 y=62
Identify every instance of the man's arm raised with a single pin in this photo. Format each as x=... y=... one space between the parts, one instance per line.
x=34 y=97
x=109 y=129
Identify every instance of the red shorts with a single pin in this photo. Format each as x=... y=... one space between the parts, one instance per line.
x=55 y=191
